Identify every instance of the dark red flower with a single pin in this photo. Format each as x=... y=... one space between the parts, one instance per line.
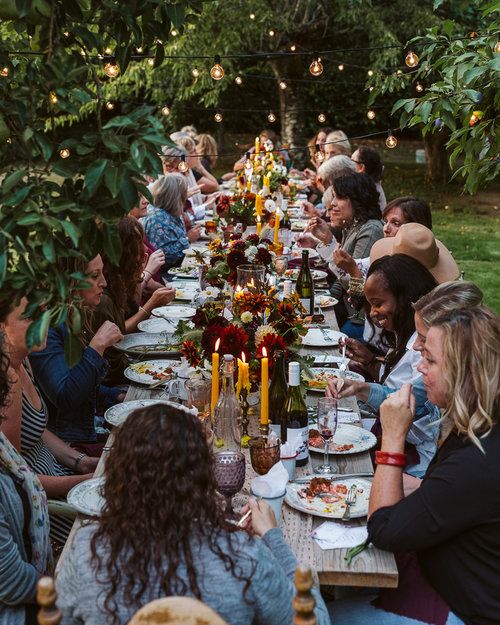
x=235 y=258
x=212 y=332
x=237 y=244
x=191 y=353
x=252 y=238
x=271 y=342
x=233 y=340
x=263 y=256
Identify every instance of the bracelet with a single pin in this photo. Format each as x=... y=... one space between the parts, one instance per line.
x=145 y=311
x=143 y=277
x=390 y=457
x=78 y=459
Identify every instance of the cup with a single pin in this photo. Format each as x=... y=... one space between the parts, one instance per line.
x=262 y=455
x=210 y=227
x=274 y=502
x=199 y=394
x=290 y=462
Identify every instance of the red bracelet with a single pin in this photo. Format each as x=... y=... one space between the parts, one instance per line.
x=389 y=457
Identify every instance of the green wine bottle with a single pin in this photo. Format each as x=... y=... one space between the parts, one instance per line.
x=305 y=284
x=285 y=227
x=295 y=414
x=278 y=391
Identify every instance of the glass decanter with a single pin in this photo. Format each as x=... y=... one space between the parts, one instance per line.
x=227 y=412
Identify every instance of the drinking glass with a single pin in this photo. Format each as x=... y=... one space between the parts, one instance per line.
x=262 y=455
x=280 y=264
x=211 y=229
x=327 y=426
x=250 y=278
x=199 y=392
x=229 y=470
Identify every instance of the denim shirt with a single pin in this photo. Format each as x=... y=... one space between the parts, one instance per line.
x=165 y=231
x=70 y=393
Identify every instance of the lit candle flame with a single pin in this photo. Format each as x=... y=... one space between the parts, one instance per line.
x=217 y=343
x=258 y=219
x=264 y=352
x=243 y=357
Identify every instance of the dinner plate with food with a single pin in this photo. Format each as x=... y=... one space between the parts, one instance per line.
x=326 y=301
x=318 y=377
x=148 y=344
x=156 y=325
x=322 y=337
x=174 y=312
x=119 y=413
x=348 y=439
x=86 y=497
x=299 y=225
x=317 y=274
x=186 y=293
x=184 y=272
x=325 y=497
x=297 y=253
x=150 y=371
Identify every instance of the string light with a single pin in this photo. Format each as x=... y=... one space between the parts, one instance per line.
x=316 y=67
x=341 y=67
x=391 y=141
x=4 y=72
x=419 y=87
x=370 y=73
x=252 y=16
x=218 y=117
x=165 y=110
x=411 y=59
x=110 y=105
x=238 y=80
x=64 y=153
x=174 y=33
x=8 y=140
x=371 y=88
x=53 y=97
x=139 y=50
x=283 y=85
x=371 y=114
x=399 y=72
x=271 y=33
x=108 y=51
x=497 y=47
x=195 y=72
x=217 y=71
x=322 y=118
x=183 y=166
x=66 y=33
x=151 y=62
x=112 y=69
x=271 y=118
x=293 y=47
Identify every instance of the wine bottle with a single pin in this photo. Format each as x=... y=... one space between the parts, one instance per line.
x=295 y=414
x=305 y=284
x=227 y=411
x=285 y=228
x=278 y=391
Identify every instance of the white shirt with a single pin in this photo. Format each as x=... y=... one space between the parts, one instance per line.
x=405 y=370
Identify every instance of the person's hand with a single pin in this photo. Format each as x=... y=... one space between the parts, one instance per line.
x=161 y=297
x=305 y=239
x=194 y=190
x=358 y=352
x=309 y=173
x=211 y=199
x=262 y=518
x=346 y=262
x=87 y=465
x=310 y=210
x=156 y=260
x=106 y=336
x=194 y=233
x=342 y=387
x=320 y=229
x=396 y=416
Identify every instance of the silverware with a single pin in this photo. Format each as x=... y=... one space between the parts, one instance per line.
x=349 y=501
x=326 y=336
x=305 y=478
x=158 y=383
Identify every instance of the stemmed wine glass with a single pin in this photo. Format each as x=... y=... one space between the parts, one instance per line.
x=229 y=472
x=327 y=426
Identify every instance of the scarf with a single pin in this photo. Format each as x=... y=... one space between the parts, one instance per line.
x=14 y=464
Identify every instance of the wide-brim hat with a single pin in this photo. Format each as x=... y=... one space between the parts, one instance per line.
x=417 y=241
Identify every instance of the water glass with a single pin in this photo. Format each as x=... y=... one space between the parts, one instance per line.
x=229 y=471
x=199 y=395
x=327 y=426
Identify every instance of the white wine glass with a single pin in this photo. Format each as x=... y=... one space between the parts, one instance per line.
x=327 y=426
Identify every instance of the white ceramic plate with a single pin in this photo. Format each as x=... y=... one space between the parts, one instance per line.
x=326 y=301
x=87 y=497
x=191 y=251
x=175 y=312
x=156 y=325
x=299 y=225
x=186 y=293
x=348 y=439
x=150 y=371
x=316 y=338
x=118 y=414
x=321 y=375
x=297 y=253
x=184 y=272
x=319 y=506
x=142 y=344
x=293 y=274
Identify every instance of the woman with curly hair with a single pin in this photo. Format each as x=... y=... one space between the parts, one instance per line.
x=163 y=532
x=121 y=297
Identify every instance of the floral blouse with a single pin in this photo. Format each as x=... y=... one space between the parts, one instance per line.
x=165 y=231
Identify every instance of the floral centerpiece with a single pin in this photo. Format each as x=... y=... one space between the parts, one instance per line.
x=237 y=208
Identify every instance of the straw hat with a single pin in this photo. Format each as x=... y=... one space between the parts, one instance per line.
x=417 y=241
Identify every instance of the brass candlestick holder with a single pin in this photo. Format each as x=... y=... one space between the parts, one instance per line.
x=243 y=420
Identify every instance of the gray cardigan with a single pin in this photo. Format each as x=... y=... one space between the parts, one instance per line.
x=17 y=576
x=270 y=593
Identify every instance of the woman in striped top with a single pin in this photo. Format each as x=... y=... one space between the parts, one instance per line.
x=58 y=466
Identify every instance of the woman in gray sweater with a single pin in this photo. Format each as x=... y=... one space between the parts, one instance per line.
x=163 y=532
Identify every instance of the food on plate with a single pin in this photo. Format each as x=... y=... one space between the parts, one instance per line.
x=144 y=368
x=329 y=491
x=320 y=380
x=179 y=292
x=316 y=440
x=156 y=347
x=325 y=301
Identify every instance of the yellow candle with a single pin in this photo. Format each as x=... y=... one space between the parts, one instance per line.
x=243 y=376
x=259 y=226
x=257 y=145
x=265 y=181
x=276 y=227
x=264 y=388
x=271 y=165
x=249 y=184
x=215 y=377
x=258 y=205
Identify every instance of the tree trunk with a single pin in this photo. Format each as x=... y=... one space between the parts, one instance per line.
x=438 y=166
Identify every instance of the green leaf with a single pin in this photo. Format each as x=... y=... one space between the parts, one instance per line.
x=45 y=146
x=112 y=178
x=176 y=13
x=37 y=331
x=71 y=230
x=128 y=194
x=23 y=7
x=72 y=350
x=472 y=73
x=94 y=174
x=17 y=197
x=119 y=121
x=425 y=111
x=48 y=250
x=3 y=267
x=11 y=180
x=159 y=55
x=29 y=220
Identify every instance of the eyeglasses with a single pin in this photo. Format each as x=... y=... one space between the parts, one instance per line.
x=357 y=162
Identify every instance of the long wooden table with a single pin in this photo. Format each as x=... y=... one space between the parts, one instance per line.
x=373 y=567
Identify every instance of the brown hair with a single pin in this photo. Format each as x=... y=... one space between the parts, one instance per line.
x=415 y=211
x=159 y=456
x=447 y=297
x=207 y=148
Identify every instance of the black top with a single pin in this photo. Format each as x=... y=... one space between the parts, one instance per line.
x=453 y=523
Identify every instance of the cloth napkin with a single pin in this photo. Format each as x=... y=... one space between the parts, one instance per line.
x=336 y=535
x=273 y=484
x=347 y=416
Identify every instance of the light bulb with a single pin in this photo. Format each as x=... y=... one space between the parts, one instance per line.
x=8 y=140
x=110 y=105
x=165 y=110
x=195 y=72
x=371 y=88
x=108 y=51
x=4 y=72
x=322 y=118
x=139 y=50
x=293 y=47
x=316 y=67
x=271 y=33
x=248 y=162
x=112 y=69
x=238 y=80
x=151 y=62
x=411 y=59
x=218 y=117
x=252 y=16
x=497 y=47
x=66 y=33
x=271 y=117
x=283 y=85
x=217 y=71
x=370 y=73
x=399 y=72
x=183 y=166
x=174 y=33
x=341 y=67
x=419 y=87
x=53 y=97
x=64 y=153
x=371 y=114
x=391 y=141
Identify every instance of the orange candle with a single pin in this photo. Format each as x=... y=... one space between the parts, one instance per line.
x=258 y=205
x=215 y=377
x=264 y=388
x=259 y=225
x=276 y=227
x=243 y=375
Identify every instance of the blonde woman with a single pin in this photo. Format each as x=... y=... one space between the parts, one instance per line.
x=337 y=143
x=452 y=521
x=206 y=148
x=198 y=175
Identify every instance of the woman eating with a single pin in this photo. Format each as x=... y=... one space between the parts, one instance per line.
x=155 y=542
x=368 y=161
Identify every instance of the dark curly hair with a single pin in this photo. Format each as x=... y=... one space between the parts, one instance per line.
x=362 y=192
x=4 y=376
x=415 y=211
x=408 y=280
x=370 y=158
x=123 y=278
x=159 y=456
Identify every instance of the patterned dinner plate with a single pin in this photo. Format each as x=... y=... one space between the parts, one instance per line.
x=322 y=337
x=150 y=371
x=174 y=312
x=148 y=344
x=293 y=274
x=348 y=439
x=320 y=375
x=156 y=325
x=118 y=414
x=87 y=497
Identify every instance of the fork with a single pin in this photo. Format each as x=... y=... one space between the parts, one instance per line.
x=325 y=334
x=349 y=501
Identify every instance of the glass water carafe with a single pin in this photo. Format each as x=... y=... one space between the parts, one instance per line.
x=227 y=412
